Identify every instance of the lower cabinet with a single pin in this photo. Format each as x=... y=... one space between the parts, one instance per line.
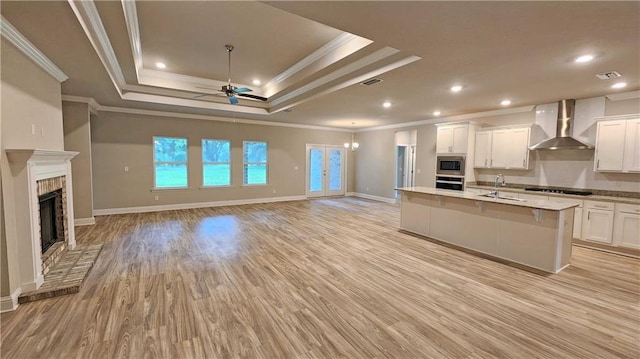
x=597 y=221
x=626 y=231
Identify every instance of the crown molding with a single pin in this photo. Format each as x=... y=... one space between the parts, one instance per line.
x=333 y=46
x=30 y=50
x=467 y=116
x=133 y=28
x=89 y=18
x=624 y=96
x=134 y=111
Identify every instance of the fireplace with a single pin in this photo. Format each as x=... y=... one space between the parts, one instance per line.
x=51 y=219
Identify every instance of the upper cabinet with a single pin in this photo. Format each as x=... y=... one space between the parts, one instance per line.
x=502 y=148
x=618 y=146
x=452 y=138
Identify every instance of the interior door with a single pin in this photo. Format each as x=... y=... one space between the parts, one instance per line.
x=325 y=171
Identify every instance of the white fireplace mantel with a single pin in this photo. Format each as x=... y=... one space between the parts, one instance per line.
x=28 y=166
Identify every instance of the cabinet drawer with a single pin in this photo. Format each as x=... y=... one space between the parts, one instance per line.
x=607 y=206
x=628 y=208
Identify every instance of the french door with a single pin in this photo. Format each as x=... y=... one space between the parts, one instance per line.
x=325 y=170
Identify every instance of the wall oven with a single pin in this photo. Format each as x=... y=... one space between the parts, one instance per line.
x=450 y=165
x=449 y=182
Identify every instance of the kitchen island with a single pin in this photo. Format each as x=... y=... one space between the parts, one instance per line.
x=536 y=234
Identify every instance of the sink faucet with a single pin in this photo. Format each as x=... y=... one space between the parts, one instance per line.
x=495 y=185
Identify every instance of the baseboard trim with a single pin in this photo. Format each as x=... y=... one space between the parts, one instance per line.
x=10 y=303
x=374 y=198
x=84 y=221
x=169 y=207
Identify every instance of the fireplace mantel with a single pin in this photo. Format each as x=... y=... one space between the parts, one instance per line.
x=28 y=166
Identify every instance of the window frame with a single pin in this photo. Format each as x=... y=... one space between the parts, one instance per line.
x=245 y=163
x=155 y=163
x=214 y=163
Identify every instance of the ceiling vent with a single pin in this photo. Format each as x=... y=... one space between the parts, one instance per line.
x=608 y=75
x=370 y=82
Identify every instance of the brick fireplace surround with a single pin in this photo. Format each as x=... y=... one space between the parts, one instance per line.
x=35 y=172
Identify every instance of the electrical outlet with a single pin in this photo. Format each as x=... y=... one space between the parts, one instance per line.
x=157 y=198
x=274 y=191
x=33 y=128
x=295 y=168
x=126 y=168
x=419 y=170
x=367 y=189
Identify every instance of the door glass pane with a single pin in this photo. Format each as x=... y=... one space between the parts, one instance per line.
x=315 y=170
x=335 y=169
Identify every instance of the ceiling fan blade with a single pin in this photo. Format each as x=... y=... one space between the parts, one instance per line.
x=242 y=89
x=233 y=100
x=255 y=97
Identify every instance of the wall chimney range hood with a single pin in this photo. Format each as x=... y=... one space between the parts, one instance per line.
x=563 y=139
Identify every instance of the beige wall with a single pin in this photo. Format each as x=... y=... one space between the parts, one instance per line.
x=29 y=97
x=622 y=107
x=77 y=137
x=376 y=160
x=120 y=140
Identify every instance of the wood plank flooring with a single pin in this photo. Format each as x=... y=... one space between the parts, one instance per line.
x=320 y=279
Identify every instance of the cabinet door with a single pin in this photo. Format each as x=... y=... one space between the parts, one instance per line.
x=626 y=228
x=499 y=149
x=518 y=148
x=610 y=146
x=577 y=223
x=483 y=150
x=444 y=140
x=414 y=213
x=598 y=225
x=632 y=147
x=460 y=139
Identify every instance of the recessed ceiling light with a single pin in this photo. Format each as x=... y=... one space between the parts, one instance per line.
x=505 y=102
x=619 y=85
x=456 y=88
x=584 y=58
x=436 y=113
x=160 y=65
x=386 y=104
x=256 y=82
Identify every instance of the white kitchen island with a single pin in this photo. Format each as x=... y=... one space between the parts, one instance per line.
x=536 y=234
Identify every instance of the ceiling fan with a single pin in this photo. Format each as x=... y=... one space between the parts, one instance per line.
x=231 y=91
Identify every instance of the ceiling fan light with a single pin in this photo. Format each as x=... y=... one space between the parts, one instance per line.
x=346 y=145
x=355 y=145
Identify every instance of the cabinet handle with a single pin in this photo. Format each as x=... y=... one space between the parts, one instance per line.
x=523 y=163
x=491 y=165
x=588 y=215
x=598 y=164
x=485 y=162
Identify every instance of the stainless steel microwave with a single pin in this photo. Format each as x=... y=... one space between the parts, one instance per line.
x=450 y=165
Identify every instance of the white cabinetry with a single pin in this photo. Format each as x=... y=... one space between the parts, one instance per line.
x=503 y=148
x=577 y=219
x=618 y=146
x=597 y=221
x=452 y=138
x=631 y=161
x=483 y=149
x=626 y=232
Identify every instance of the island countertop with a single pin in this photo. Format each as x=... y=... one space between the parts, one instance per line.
x=541 y=204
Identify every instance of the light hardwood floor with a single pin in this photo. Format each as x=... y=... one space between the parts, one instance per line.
x=318 y=279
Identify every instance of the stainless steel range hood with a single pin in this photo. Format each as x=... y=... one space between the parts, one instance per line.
x=563 y=139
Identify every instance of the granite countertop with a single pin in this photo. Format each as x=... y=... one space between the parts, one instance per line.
x=546 y=205
x=593 y=197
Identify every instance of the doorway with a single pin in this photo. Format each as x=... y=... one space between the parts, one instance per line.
x=405 y=159
x=325 y=170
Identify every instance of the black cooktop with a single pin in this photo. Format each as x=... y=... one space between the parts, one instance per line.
x=557 y=190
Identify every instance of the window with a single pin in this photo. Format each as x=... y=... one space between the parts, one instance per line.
x=170 y=162
x=255 y=162
x=216 y=163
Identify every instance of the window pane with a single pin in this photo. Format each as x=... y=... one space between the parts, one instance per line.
x=335 y=170
x=170 y=149
x=315 y=170
x=171 y=175
x=216 y=151
x=255 y=152
x=255 y=174
x=217 y=175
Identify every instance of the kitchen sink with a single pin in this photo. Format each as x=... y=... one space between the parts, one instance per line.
x=490 y=195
